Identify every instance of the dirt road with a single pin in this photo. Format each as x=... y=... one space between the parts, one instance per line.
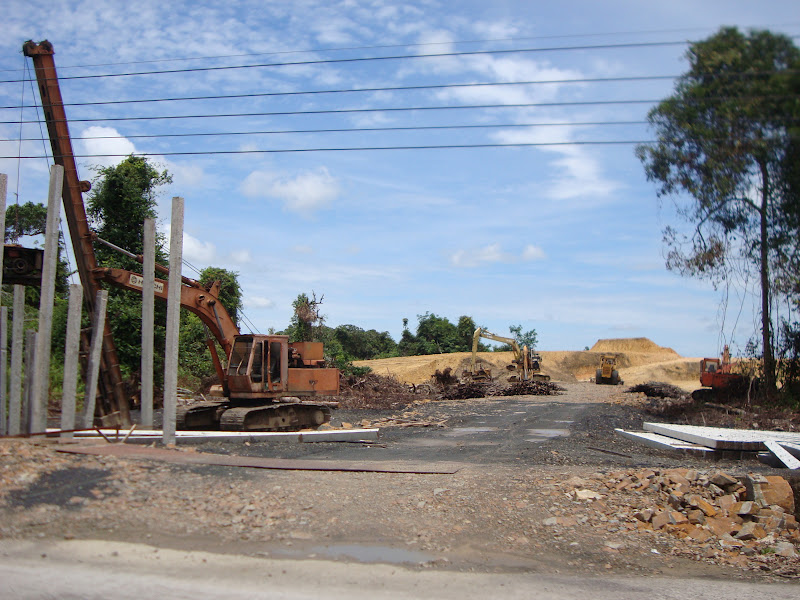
x=511 y=507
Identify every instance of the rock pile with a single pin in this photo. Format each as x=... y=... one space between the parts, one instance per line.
x=751 y=514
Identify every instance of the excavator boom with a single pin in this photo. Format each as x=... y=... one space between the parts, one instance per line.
x=525 y=360
x=113 y=404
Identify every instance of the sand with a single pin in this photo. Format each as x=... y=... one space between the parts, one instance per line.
x=638 y=360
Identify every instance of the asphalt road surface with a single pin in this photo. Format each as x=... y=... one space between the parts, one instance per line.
x=101 y=570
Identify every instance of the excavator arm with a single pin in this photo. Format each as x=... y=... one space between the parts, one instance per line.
x=113 y=399
x=525 y=360
x=488 y=335
x=194 y=298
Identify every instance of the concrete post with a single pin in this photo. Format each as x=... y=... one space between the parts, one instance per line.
x=148 y=321
x=71 y=350
x=15 y=387
x=3 y=371
x=41 y=379
x=3 y=395
x=27 y=404
x=95 y=348
x=173 y=322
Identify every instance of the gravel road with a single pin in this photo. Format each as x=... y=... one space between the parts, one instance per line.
x=508 y=509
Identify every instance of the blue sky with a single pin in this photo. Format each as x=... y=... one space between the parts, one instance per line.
x=563 y=238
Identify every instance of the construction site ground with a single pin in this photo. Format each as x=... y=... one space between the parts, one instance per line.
x=511 y=507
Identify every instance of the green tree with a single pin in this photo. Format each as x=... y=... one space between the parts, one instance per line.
x=359 y=344
x=408 y=346
x=723 y=139
x=230 y=292
x=195 y=362
x=122 y=197
x=528 y=338
x=306 y=313
x=437 y=335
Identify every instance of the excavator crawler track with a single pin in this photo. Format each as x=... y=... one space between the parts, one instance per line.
x=274 y=417
x=201 y=415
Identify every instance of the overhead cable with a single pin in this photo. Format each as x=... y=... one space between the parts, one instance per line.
x=361 y=59
x=401 y=88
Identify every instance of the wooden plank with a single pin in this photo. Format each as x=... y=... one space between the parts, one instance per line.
x=201 y=458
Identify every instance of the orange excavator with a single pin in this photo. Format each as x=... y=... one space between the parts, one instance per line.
x=264 y=377
x=717 y=379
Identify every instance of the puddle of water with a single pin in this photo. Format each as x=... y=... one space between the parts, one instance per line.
x=364 y=554
x=456 y=431
x=541 y=435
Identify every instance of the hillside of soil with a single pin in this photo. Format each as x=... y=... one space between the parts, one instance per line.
x=638 y=360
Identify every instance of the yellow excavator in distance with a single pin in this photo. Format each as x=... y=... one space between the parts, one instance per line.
x=527 y=362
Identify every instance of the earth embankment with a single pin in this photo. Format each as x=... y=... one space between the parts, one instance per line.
x=638 y=359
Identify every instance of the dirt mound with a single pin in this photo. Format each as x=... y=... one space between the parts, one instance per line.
x=631 y=345
x=635 y=366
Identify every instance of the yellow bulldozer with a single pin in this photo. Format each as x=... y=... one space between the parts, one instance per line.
x=607 y=373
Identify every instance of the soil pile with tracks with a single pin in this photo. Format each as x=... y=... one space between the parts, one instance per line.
x=638 y=360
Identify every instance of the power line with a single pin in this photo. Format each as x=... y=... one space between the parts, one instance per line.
x=410 y=45
x=619 y=79
x=354 y=110
x=351 y=130
x=382 y=89
x=364 y=148
x=622 y=46
x=399 y=109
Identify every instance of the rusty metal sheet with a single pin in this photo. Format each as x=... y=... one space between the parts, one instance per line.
x=204 y=458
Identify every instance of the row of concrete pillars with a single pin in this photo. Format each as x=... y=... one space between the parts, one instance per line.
x=24 y=385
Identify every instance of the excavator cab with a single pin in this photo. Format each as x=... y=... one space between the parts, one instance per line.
x=257 y=365
x=269 y=365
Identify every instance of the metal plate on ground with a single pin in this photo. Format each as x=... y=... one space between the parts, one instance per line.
x=202 y=458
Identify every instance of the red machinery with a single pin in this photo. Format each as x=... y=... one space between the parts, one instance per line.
x=717 y=379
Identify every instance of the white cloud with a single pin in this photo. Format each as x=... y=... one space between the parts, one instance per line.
x=476 y=256
x=184 y=175
x=104 y=141
x=197 y=251
x=258 y=302
x=532 y=252
x=241 y=257
x=576 y=172
x=303 y=193
x=493 y=253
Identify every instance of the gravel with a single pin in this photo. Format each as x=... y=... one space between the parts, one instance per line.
x=510 y=506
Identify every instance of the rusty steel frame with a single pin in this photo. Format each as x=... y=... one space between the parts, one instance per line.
x=114 y=405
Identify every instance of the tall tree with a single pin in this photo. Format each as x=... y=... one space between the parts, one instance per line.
x=306 y=314
x=723 y=137
x=122 y=197
x=230 y=292
x=194 y=357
